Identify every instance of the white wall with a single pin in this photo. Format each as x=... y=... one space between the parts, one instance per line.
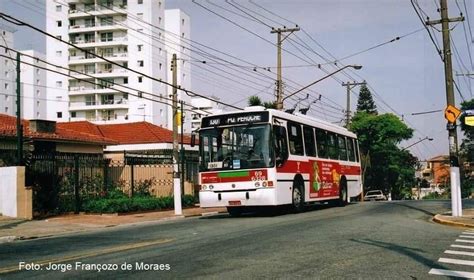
x=33 y=91
x=7 y=73
x=8 y=191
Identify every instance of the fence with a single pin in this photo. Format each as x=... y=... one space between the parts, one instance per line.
x=62 y=182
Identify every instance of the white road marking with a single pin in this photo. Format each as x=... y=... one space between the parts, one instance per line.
x=463 y=240
x=456 y=261
x=454 y=273
x=468 y=232
x=467 y=236
x=462 y=246
x=464 y=253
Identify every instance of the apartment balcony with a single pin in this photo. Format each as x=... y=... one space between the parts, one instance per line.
x=81 y=59
x=110 y=10
x=92 y=43
x=102 y=105
x=88 y=90
x=112 y=26
x=82 y=28
x=111 y=73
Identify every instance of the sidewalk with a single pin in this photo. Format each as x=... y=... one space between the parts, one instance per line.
x=16 y=229
x=467 y=219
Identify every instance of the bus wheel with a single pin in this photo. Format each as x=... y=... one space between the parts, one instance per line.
x=343 y=194
x=298 y=198
x=234 y=211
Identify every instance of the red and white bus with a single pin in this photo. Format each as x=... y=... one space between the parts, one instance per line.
x=265 y=157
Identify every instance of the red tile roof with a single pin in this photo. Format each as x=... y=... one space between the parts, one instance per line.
x=62 y=133
x=127 y=133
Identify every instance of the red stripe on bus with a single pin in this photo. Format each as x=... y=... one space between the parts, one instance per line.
x=254 y=175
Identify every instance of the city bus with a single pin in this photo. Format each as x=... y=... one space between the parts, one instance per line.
x=266 y=157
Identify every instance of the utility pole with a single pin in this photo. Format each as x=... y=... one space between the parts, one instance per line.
x=279 y=82
x=176 y=180
x=456 y=205
x=181 y=158
x=19 y=126
x=349 y=87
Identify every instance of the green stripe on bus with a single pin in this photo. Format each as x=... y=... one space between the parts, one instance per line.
x=233 y=174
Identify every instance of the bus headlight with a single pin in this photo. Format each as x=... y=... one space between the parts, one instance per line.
x=257 y=184
x=211 y=187
x=264 y=184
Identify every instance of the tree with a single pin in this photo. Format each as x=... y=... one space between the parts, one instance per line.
x=256 y=101
x=466 y=152
x=365 y=103
x=386 y=166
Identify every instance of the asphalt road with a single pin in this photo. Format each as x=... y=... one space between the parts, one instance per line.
x=372 y=240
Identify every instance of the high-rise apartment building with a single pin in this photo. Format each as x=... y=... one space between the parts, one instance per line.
x=178 y=35
x=128 y=33
x=33 y=86
x=7 y=73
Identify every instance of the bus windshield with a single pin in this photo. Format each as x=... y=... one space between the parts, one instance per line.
x=236 y=147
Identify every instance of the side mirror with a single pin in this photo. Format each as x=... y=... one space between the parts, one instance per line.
x=193 y=139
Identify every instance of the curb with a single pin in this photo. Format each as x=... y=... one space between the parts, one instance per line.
x=437 y=218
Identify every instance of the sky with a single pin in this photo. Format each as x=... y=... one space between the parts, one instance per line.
x=405 y=76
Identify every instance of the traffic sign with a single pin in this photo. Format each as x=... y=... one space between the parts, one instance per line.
x=451 y=113
x=469 y=117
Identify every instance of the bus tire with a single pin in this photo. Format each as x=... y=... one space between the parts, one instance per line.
x=342 y=201
x=297 y=197
x=235 y=211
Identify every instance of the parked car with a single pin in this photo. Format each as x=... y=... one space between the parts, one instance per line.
x=375 y=195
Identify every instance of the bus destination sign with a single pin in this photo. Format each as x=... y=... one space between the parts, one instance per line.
x=232 y=119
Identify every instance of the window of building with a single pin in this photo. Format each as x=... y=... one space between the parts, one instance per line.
x=37 y=81
x=7 y=86
x=140 y=30
x=89 y=22
x=140 y=63
x=139 y=47
x=108 y=67
x=6 y=109
x=73 y=114
x=159 y=5
x=182 y=34
x=59 y=115
x=6 y=97
x=37 y=103
x=106 y=21
x=161 y=65
x=140 y=79
x=295 y=139
x=160 y=51
x=37 y=71
x=7 y=74
x=59 y=37
x=59 y=53
x=37 y=115
x=6 y=50
x=38 y=92
x=58 y=8
x=59 y=23
x=182 y=21
x=59 y=84
x=159 y=20
x=106 y=37
x=140 y=1
x=125 y=80
x=140 y=16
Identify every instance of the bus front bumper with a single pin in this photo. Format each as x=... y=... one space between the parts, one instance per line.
x=257 y=197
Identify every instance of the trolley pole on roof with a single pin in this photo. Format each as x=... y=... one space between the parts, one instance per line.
x=176 y=178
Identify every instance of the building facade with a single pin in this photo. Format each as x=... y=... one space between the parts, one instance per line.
x=33 y=91
x=201 y=108
x=7 y=73
x=128 y=34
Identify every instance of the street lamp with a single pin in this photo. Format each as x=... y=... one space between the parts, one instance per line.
x=426 y=138
x=280 y=104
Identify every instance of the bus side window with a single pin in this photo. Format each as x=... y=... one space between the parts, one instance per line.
x=332 y=146
x=281 y=145
x=350 y=149
x=309 y=144
x=342 y=147
x=295 y=139
x=356 y=146
x=321 y=143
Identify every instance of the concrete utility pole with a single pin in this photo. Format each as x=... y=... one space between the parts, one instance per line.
x=279 y=82
x=176 y=179
x=19 y=125
x=456 y=205
x=350 y=86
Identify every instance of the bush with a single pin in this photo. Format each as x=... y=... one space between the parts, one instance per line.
x=118 y=204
